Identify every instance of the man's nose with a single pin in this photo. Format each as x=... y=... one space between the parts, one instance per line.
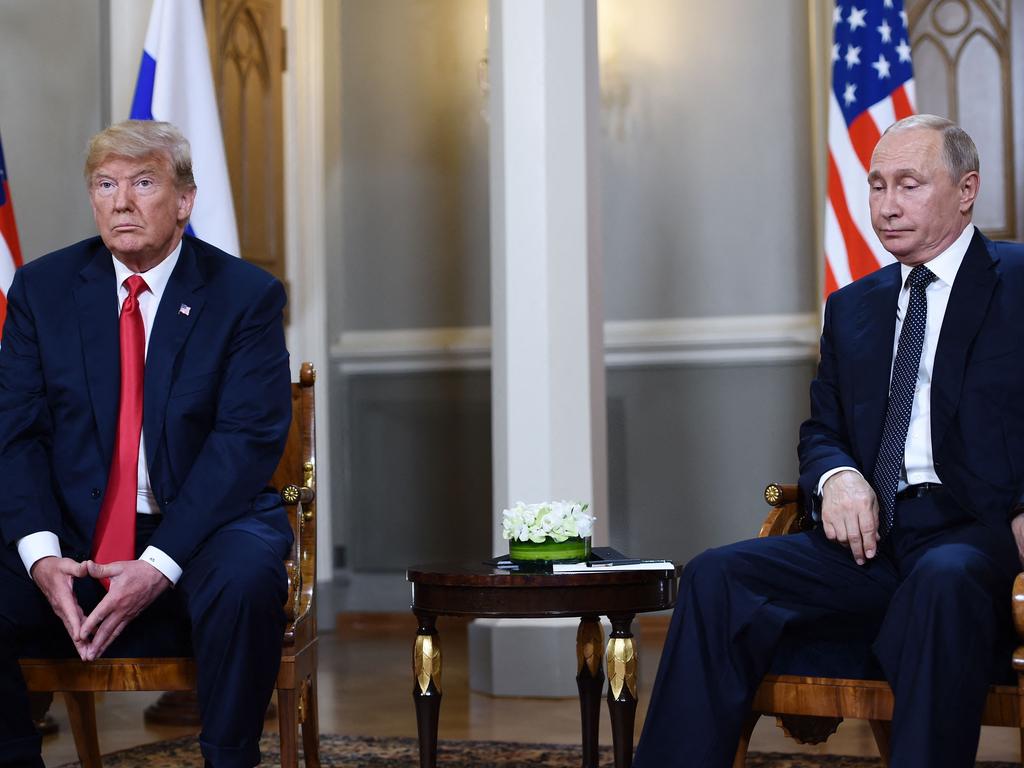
x=123 y=197
x=889 y=206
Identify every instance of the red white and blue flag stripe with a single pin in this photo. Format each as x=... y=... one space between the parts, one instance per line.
x=10 y=250
x=872 y=87
x=176 y=85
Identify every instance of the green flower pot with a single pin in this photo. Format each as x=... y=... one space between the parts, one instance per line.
x=549 y=551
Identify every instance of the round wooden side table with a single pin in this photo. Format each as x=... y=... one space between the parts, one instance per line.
x=479 y=591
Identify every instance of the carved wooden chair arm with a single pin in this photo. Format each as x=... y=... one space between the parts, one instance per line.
x=301 y=567
x=1018 y=620
x=787 y=514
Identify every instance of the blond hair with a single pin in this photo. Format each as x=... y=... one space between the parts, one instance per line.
x=138 y=139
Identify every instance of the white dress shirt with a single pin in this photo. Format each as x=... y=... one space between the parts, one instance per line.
x=918 y=462
x=42 y=544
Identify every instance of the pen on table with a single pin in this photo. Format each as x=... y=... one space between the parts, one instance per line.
x=613 y=563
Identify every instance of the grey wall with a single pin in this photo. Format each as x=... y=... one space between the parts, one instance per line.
x=707 y=158
x=691 y=449
x=52 y=99
x=707 y=212
x=419 y=468
x=414 y=237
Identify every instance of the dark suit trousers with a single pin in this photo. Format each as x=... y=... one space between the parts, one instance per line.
x=935 y=600
x=226 y=610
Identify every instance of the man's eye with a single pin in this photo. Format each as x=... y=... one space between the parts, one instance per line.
x=144 y=183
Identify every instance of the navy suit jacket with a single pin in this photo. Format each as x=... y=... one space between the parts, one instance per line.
x=216 y=409
x=977 y=396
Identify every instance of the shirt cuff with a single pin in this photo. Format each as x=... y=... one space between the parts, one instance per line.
x=36 y=546
x=159 y=560
x=836 y=471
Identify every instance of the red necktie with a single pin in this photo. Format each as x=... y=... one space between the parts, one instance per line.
x=115 y=532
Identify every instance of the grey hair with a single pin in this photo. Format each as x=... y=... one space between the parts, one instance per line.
x=958 y=150
x=137 y=139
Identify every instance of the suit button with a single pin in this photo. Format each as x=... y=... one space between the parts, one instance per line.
x=95 y=493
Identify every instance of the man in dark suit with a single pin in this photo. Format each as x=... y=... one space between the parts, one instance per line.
x=914 y=460
x=144 y=404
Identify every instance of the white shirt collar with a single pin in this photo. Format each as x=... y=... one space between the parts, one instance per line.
x=156 y=278
x=945 y=265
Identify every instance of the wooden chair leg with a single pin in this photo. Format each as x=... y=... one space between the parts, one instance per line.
x=1018 y=664
x=741 y=751
x=82 y=714
x=288 y=721
x=311 y=725
x=39 y=709
x=882 y=730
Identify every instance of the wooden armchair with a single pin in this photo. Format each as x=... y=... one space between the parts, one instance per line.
x=296 y=680
x=809 y=709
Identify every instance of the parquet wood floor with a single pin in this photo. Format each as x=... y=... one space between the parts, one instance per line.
x=366 y=689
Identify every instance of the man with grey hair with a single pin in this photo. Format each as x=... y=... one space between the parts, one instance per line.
x=144 y=404
x=913 y=462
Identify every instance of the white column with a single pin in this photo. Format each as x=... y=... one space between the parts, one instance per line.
x=547 y=366
x=549 y=431
x=305 y=249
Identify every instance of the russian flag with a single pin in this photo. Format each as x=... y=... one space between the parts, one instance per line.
x=10 y=250
x=176 y=85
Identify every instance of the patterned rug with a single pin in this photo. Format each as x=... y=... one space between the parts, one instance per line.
x=355 y=752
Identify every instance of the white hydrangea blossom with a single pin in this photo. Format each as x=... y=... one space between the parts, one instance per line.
x=558 y=520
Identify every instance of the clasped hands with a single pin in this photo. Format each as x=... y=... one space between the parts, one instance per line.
x=134 y=584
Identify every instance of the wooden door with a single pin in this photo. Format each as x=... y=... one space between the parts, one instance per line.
x=965 y=69
x=247 y=53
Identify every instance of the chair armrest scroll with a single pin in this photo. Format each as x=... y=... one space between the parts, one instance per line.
x=788 y=514
x=301 y=567
x=1017 y=605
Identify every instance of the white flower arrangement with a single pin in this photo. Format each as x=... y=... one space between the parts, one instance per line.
x=558 y=520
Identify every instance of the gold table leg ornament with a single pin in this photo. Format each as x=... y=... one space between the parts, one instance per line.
x=622 y=681
x=426 y=692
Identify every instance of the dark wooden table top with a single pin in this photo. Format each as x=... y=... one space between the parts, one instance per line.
x=476 y=589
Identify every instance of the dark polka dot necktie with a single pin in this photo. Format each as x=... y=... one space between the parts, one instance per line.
x=886 y=475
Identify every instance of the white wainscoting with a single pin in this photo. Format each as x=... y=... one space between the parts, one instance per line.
x=737 y=340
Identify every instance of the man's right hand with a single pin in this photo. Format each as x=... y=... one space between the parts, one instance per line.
x=55 y=577
x=849 y=514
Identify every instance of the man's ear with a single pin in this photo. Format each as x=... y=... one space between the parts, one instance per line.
x=186 y=199
x=969 y=186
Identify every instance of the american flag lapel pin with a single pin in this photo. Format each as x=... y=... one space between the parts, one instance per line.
x=184 y=309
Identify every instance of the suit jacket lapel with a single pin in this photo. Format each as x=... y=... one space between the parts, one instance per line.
x=965 y=312
x=96 y=299
x=876 y=324
x=171 y=327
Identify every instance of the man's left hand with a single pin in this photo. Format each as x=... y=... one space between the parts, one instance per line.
x=134 y=585
x=1017 y=526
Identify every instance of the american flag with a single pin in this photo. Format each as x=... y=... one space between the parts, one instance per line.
x=872 y=87
x=10 y=250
